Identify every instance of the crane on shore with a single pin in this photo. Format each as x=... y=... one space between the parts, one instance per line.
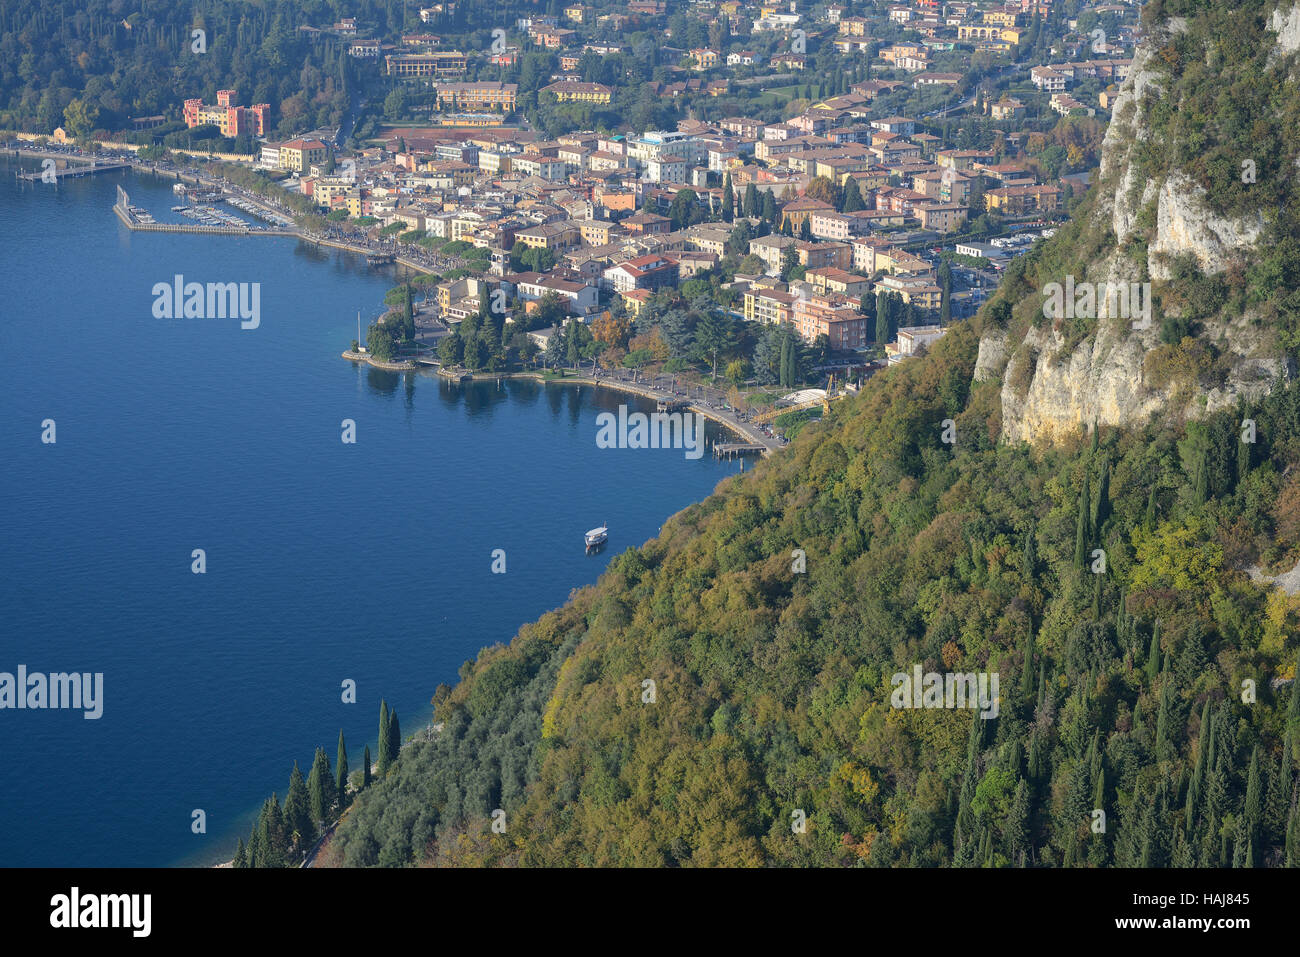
x=825 y=402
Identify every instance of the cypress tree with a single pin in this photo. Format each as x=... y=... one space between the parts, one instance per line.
x=1293 y=837
x=320 y=787
x=883 y=336
x=273 y=838
x=256 y=856
x=750 y=205
x=394 y=735
x=1027 y=667
x=852 y=197
x=385 y=740
x=1162 y=718
x=1182 y=853
x=1192 y=659
x=1243 y=461
x=1293 y=706
x=728 y=200
x=1035 y=762
x=1101 y=511
x=241 y=857
x=1274 y=803
x=341 y=772
x=1081 y=527
x=1017 y=826
x=1153 y=656
x=1253 y=811
x=945 y=301
x=1198 y=772
x=986 y=847
x=297 y=811
x=769 y=206
x=1071 y=839
x=365 y=769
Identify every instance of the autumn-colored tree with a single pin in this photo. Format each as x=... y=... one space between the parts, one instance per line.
x=655 y=342
x=821 y=188
x=612 y=330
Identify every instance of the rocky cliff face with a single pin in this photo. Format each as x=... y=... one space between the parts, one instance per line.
x=1051 y=386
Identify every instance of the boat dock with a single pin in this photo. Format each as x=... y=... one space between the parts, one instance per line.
x=672 y=405
x=71 y=172
x=727 y=450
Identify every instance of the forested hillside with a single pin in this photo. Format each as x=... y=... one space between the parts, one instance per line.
x=733 y=676
x=1111 y=578
x=1121 y=691
x=136 y=58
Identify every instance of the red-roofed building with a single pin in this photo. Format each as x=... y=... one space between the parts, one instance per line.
x=644 y=272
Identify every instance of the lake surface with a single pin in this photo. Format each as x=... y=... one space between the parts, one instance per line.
x=324 y=561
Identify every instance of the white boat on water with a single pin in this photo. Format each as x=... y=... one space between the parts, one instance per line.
x=597 y=536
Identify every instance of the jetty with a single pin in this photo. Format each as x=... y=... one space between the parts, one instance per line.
x=727 y=450
x=71 y=172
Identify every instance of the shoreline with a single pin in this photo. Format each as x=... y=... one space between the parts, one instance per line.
x=731 y=424
x=177 y=175
x=736 y=428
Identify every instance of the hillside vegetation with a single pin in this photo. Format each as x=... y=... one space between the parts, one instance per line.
x=1120 y=692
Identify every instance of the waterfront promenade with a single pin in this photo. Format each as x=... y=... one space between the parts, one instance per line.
x=709 y=403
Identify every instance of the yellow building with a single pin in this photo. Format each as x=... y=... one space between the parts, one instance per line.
x=768 y=306
x=478 y=97
x=990 y=33
x=325 y=189
x=1003 y=18
x=596 y=232
x=705 y=59
x=571 y=91
x=829 y=279
x=300 y=155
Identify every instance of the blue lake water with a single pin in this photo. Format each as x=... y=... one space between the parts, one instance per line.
x=325 y=561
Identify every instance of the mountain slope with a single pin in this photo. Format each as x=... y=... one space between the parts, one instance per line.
x=1142 y=674
x=1196 y=195
x=773 y=688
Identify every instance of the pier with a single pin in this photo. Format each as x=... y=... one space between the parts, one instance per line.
x=727 y=450
x=71 y=172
